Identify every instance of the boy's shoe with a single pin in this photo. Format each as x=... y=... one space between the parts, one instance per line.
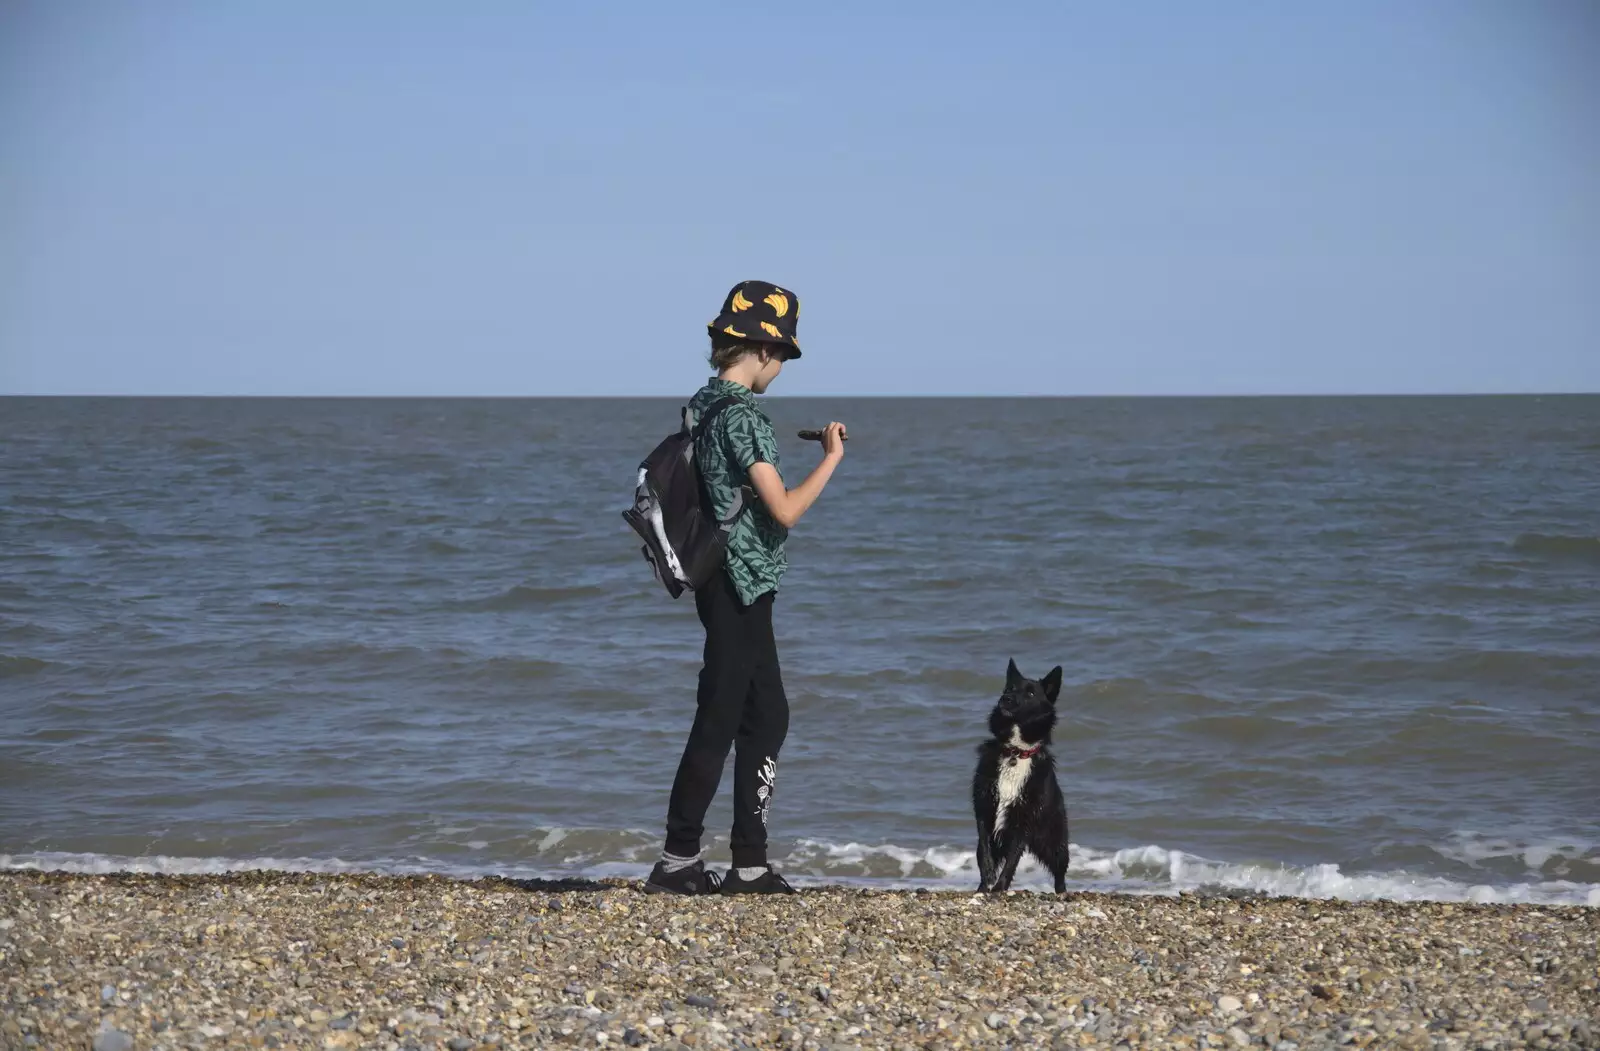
x=692 y=879
x=769 y=882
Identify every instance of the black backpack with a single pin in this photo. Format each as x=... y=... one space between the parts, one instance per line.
x=684 y=541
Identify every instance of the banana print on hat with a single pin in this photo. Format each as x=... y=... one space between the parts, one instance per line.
x=762 y=312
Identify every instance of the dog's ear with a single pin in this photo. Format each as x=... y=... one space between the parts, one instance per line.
x=1052 y=684
x=1013 y=676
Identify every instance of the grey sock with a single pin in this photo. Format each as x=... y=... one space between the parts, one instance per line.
x=751 y=874
x=673 y=863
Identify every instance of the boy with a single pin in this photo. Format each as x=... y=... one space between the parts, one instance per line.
x=740 y=699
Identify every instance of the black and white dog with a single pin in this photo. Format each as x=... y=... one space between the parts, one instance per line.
x=1014 y=792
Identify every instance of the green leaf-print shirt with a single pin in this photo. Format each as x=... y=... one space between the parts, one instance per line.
x=739 y=437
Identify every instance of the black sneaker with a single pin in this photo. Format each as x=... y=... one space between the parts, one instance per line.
x=769 y=882
x=692 y=879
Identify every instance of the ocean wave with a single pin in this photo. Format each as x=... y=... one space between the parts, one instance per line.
x=73 y=527
x=1157 y=870
x=1562 y=858
x=1160 y=871
x=516 y=669
x=522 y=596
x=1559 y=547
x=17 y=665
x=1514 y=669
x=199 y=444
x=1139 y=870
x=321 y=654
x=983 y=684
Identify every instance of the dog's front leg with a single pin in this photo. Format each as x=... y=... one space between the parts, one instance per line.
x=1014 y=847
x=985 y=856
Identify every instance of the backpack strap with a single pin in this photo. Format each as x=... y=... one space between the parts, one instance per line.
x=743 y=497
x=710 y=414
x=741 y=502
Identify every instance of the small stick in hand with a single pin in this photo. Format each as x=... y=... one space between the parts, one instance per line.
x=816 y=436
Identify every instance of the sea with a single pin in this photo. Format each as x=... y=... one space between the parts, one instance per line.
x=1317 y=647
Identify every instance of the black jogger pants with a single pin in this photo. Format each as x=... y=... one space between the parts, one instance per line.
x=740 y=702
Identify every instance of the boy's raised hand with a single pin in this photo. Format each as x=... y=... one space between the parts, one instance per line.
x=833 y=439
x=787 y=505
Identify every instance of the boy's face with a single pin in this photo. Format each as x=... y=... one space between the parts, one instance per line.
x=771 y=365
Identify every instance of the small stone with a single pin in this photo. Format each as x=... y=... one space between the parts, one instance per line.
x=1239 y=1037
x=996 y=1020
x=701 y=1001
x=398 y=943
x=462 y=1043
x=108 y=993
x=633 y=1038
x=823 y=993
x=761 y=970
x=112 y=1040
x=1229 y=1004
x=1532 y=1033
x=342 y=1023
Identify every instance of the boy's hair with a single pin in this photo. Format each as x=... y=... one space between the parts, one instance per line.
x=726 y=350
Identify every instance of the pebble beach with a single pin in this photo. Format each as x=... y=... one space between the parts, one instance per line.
x=118 y=962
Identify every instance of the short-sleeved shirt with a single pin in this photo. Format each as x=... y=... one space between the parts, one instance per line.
x=738 y=438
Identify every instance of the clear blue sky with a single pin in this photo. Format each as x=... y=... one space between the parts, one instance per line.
x=523 y=198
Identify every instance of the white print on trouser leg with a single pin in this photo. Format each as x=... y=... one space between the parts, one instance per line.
x=767 y=775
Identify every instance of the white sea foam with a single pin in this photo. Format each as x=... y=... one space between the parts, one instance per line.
x=1535 y=855
x=1133 y=870
x=1158 y=870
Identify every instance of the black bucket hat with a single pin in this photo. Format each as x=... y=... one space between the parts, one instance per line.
x=761 y=313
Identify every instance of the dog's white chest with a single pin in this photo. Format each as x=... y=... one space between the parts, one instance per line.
x=1013 y=776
